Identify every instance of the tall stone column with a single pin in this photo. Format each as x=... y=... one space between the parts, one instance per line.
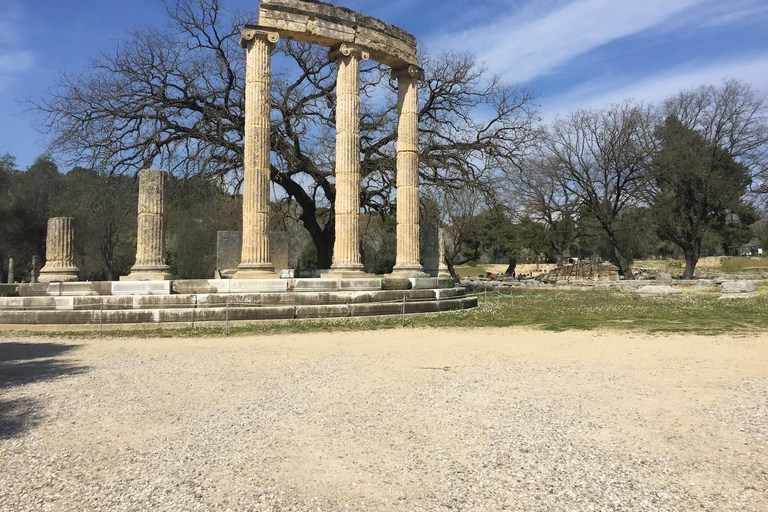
x=11 y=271
x=59 y=251
x=255 y=262
x=346 y=249
x=408 y=259
x=150 y=237
x=442 y=266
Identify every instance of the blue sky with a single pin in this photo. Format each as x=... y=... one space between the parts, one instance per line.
x=573 y=52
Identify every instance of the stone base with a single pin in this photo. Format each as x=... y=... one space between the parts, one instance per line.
x=149 y=276
x=59 y=275
x=409 y=271
x=346 y=274
x=256 y=273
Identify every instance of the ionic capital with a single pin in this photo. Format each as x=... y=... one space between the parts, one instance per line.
x=345 y=50
x=251 y=33
x=408 y=71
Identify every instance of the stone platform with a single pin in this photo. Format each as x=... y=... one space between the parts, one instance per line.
x=219 y=300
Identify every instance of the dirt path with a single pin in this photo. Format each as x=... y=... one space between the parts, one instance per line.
x=506 y=419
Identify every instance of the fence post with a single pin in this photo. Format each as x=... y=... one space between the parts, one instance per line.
x=405 y=297
x=227 y=319
x=101 y=317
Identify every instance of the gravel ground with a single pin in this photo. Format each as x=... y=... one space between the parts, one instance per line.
x=496 y=419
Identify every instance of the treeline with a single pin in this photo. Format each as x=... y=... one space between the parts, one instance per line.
x=105 y=209
x=629 y=180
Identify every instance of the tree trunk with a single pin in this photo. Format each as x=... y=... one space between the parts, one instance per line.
x=623 y=263
x=451 y=270
x=692 y=253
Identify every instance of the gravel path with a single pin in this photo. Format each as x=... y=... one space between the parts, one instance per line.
x=496 y=419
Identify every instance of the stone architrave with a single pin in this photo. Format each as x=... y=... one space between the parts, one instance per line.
x=150 y=244
x=11 y=271
x=255 y=262
x=346 y=249
x=59 y=251
x=407 y=262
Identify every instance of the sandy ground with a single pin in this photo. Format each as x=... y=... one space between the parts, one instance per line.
x=505 y=419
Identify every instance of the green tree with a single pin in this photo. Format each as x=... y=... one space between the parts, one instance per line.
x=693 y=183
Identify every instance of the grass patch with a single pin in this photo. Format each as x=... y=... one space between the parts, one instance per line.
x=743 y=264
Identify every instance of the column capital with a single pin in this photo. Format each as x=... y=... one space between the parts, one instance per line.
x=408 y=71
x=250 y=33
x=345 y=50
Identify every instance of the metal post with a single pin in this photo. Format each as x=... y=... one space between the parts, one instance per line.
x=101 y=316
x=227 y=320
x=405 y=297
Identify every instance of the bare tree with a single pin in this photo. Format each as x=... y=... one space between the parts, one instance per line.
x=732 y=116
x=603 y=157
x=174 y=99
x=545 y=196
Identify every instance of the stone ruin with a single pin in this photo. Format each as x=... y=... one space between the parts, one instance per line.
x=583 y=271
x=150 y=294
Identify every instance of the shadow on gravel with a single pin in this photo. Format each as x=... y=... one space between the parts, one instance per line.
x=27 y=363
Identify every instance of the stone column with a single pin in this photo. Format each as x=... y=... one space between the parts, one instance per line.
x=255 y=262
x=407 y=262
x=346 y=249
x=11 y=271
x=59 y=251
x=442 y=267
x=33 y=277
x=150 y=237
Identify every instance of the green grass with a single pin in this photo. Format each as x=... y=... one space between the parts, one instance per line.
x=698 y=311
x=741 y=264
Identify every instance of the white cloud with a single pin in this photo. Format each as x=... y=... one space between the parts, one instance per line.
x=601 y=92
x=525 y=44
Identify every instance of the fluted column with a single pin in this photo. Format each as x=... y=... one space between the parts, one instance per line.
x=255 y=262
x=11 y=271
x=150 y=236
x=59 y=251
x=408 y=257
x=442 y=266
x=346 y=249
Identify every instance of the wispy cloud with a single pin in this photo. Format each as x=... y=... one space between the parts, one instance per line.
x=13 y=58
x=534 y=39
x=602 y=91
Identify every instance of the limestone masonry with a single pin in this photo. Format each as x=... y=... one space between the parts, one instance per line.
x=59 y=251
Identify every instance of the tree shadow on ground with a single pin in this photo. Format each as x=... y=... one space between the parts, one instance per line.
x=26 y=363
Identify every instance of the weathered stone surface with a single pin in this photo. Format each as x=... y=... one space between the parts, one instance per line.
x=141 y=288
x=150 y=238
x=229 y=248
x=254 y=260
x=738 y=289
x=11 y=271
x=431 y=282
x=664 y=278
x=329 y=25
x=280 y=249
x=59 y=251
x=408 y=260
x=323 y=311
x=396 y=283
x=652 y=291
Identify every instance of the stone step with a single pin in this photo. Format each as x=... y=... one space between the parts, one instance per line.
x=220 y=314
